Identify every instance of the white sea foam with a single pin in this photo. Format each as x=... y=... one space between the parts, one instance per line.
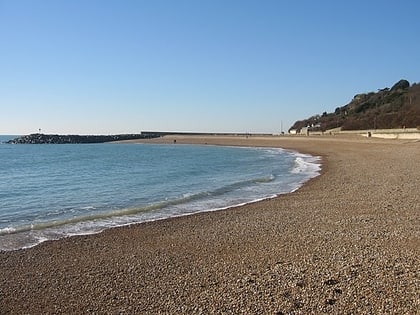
x=306 y=164
x=7 y=230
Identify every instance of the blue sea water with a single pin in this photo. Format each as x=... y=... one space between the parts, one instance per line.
x=54 y=191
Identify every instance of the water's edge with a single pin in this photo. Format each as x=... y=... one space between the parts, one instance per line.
x=304 y=160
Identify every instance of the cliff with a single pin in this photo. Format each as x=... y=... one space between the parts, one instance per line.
x=396 y=107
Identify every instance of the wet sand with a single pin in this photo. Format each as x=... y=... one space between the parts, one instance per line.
x=347 y=242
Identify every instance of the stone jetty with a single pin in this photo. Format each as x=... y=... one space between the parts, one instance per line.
x=39 y=138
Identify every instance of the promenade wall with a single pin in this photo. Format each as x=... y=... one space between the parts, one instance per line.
x=401 y=133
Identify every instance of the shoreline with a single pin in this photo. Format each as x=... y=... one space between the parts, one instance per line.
x=306 y=166
x=345 y=241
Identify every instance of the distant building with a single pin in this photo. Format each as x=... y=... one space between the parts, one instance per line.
x=304 y=130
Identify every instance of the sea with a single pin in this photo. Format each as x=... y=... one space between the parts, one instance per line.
x=52 y=191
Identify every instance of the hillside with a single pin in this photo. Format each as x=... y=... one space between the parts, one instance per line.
x=395 y=107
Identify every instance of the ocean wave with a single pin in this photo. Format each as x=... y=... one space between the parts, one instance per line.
x=97 y=216
x=261 y=176
x=306 y=164
x=8 y=230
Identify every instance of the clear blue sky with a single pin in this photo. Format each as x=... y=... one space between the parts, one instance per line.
x=206 y=65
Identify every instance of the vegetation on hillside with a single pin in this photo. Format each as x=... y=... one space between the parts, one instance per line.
x=397 y=107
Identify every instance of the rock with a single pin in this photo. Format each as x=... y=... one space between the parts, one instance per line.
x=38 y=138
x=330 y=301
x=401 y=85
x=331 y=282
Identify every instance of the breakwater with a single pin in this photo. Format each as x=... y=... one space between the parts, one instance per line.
x=39 y=138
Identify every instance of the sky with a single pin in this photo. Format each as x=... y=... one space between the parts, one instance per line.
x=110 y=67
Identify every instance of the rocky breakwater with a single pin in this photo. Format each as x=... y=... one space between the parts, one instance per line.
x=39 y=138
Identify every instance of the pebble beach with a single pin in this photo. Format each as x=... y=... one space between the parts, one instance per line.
x=347 y=242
